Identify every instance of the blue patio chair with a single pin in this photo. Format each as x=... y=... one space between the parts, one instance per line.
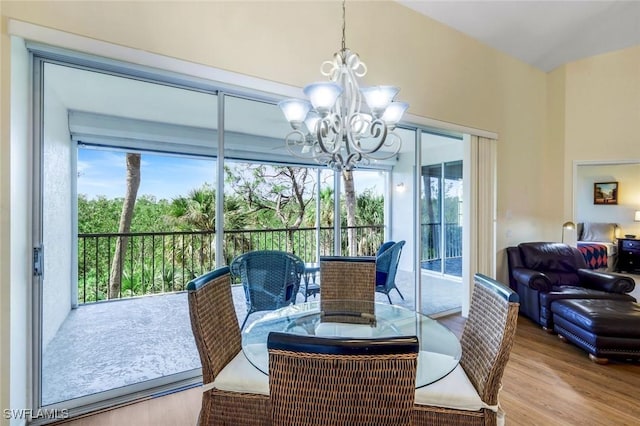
x=271 y=279
x=387 y=260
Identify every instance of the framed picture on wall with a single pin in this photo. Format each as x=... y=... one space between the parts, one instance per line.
x=605 y=193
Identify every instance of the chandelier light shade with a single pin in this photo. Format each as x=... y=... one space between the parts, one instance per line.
x=341 y=124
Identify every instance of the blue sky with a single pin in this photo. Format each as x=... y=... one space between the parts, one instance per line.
x=102 y=172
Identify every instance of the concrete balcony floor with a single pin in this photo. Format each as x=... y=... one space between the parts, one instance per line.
x=108 y=345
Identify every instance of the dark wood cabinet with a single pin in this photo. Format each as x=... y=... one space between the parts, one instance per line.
x=628 y=255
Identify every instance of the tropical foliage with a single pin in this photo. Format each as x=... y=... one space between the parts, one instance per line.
x=172 y=241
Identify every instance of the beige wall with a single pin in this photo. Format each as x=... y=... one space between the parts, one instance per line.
x=443 y=75
x=603 y=108
x=602 y=112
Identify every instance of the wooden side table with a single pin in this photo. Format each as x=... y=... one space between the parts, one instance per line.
x=628 y=255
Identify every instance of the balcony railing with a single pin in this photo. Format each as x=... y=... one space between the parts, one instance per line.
x=161 y=262
x=432 y=236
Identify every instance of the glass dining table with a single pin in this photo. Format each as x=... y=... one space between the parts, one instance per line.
x=440 y=349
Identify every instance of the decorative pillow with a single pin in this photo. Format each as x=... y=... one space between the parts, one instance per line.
x=599 y=232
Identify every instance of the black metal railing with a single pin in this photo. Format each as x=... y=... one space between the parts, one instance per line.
x=431 y=238
x=160 y=262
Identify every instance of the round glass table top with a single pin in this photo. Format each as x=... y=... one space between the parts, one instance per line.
x=440 y=349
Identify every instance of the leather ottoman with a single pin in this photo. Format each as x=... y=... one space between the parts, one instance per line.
x=603 y=328
x=570 y=292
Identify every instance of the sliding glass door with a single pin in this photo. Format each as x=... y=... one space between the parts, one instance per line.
x=126 y=182
x=442 y=218
x=441 y=230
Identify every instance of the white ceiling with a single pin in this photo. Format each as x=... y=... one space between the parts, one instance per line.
x=545 y=34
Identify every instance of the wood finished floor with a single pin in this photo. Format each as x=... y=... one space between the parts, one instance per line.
x=546 y=382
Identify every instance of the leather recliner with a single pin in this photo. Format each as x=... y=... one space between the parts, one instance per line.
x=542 y=272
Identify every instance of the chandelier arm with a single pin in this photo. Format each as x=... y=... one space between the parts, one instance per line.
x=328 y=131
x=338 y=162
x=378 y=131
x=295 y=140
x=393 y=140
x=353 y=159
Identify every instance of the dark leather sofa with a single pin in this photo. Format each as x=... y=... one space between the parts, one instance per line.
x=542 y=272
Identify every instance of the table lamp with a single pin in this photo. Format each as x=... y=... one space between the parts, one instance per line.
x=568 y=226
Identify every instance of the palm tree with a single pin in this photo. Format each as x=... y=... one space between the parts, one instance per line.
x=370 y=211
x=133 y=183
x=350 y=204
x=194 y=212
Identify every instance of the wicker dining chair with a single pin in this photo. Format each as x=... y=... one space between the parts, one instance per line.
x=348 y=288
x=469 y=394
x=341 y=382
x=271 y=279
x=234 y=391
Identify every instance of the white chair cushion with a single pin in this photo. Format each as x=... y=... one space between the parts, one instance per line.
x=453 y=391
x=240 y=376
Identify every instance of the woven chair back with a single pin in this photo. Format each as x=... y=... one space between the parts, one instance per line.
x=347 y=290
x=214 y=321
x=271 y=278
x=488 y=335
x=320 y=381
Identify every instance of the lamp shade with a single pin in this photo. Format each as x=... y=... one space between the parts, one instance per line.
x=323 y=95
x=295 y=110
x=311 y=121
x=637 y=216
x=378 y=98
x=394 y=112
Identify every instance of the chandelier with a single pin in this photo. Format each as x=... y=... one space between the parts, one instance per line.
x=333 y=127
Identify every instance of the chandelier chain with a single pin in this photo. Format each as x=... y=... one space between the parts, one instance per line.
x=344 y=25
